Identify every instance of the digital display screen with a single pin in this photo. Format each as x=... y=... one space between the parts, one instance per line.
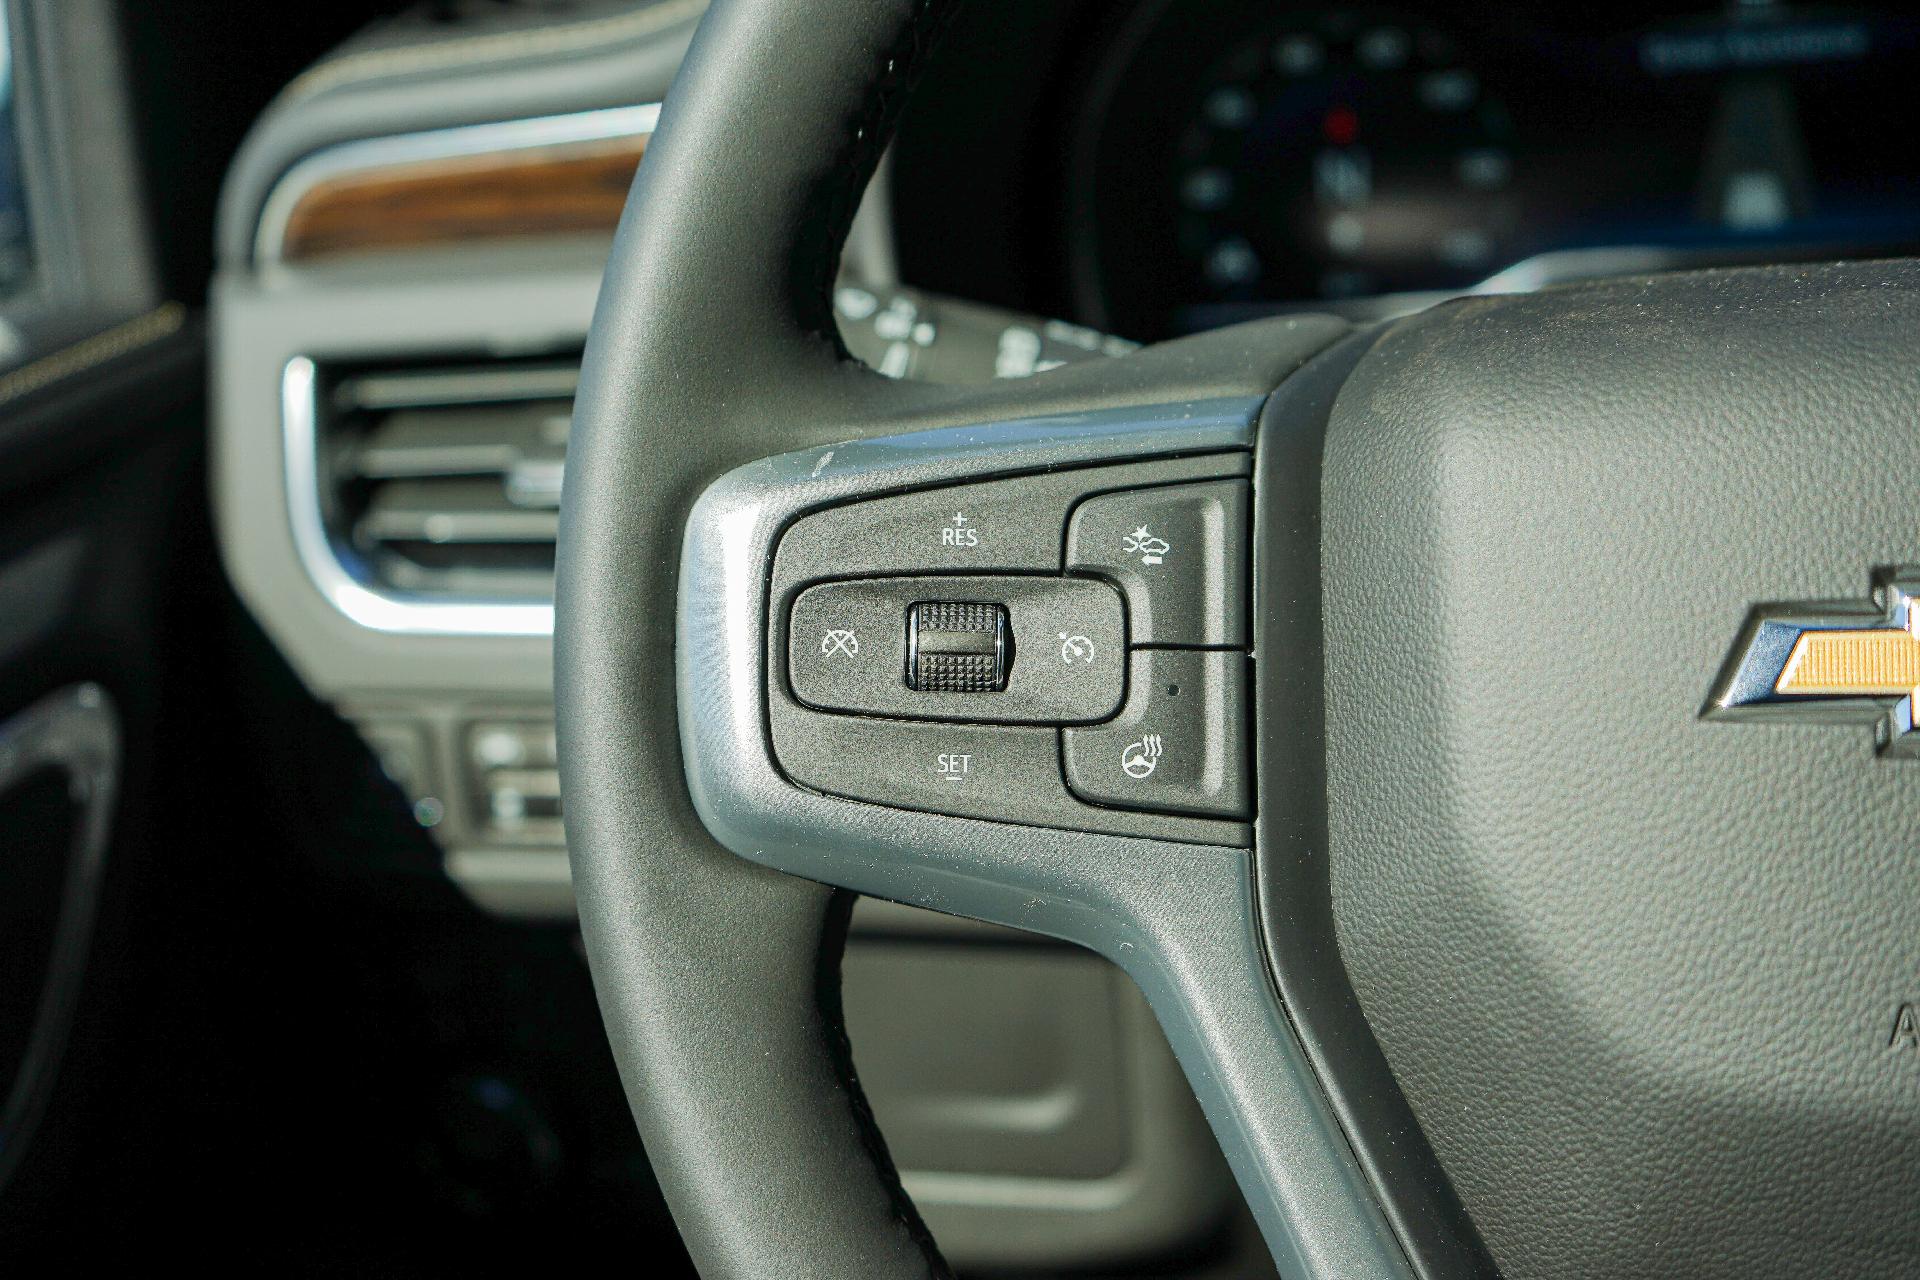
x=1264 y=156
x=16 y=239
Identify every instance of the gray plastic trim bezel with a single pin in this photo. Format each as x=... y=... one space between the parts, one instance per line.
x=1181 y=919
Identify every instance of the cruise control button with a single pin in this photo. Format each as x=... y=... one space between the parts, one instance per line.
x=1179 y=746
x=973 y=771
x=993 y=526
x=1053 y=650
x=1179 y=552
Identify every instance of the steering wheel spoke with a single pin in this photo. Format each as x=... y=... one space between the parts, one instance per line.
x=801 y=579
x=727 y=456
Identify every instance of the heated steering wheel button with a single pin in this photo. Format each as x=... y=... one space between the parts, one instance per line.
x=1180 y=746
x=1178 y=551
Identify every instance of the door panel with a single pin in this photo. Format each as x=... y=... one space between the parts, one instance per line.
x=95 y=472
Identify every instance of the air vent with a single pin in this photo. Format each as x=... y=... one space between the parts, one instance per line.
x=445 y=481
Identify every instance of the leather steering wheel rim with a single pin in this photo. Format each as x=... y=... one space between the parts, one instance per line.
x=728 y=246
x=713 y=345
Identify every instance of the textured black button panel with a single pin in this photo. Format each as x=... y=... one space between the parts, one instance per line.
x=1065 y=644
x=846 y=721
x=957 y=646
x=1179 y=552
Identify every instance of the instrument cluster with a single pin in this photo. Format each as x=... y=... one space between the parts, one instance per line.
x=1233 y=158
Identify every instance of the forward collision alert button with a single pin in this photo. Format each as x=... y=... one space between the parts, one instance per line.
x=1179 y=552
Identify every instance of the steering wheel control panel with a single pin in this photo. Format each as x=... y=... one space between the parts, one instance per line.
x=1066 y=649
x=961 y=648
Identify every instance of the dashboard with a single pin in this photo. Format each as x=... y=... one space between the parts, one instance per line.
x=1219 y=160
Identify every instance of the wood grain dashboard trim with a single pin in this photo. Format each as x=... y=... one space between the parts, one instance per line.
x=515 y=180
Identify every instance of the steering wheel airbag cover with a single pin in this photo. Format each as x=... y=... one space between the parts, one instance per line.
x=1635 y=971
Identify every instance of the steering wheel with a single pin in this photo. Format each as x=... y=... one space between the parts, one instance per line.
x=1407 y=750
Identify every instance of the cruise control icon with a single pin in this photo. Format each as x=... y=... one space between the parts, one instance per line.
x=1141 y=758
x=840 y=641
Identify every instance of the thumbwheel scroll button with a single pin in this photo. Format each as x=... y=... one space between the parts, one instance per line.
x=956 y=646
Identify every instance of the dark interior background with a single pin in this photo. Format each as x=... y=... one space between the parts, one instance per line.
x=298 y=1047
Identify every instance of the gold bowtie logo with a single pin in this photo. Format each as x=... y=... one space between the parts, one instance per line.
x=1830 y=663
x=1877 y=663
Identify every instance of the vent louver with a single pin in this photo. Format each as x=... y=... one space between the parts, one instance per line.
x=445 y=481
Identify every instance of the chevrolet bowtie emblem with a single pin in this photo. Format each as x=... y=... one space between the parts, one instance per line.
x=1830 y=663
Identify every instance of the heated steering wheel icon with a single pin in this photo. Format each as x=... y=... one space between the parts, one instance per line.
x=1141 y=758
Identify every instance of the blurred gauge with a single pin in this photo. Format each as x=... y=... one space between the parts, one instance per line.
x=1235 y=158
x=1355 y=153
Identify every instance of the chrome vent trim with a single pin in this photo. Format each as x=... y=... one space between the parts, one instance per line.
x=508 y=494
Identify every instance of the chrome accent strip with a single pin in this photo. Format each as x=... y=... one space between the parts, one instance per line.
x=1180 y=919
x=76 y=731
x=1747 y=688
x=436 y=144
x=376 y=608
